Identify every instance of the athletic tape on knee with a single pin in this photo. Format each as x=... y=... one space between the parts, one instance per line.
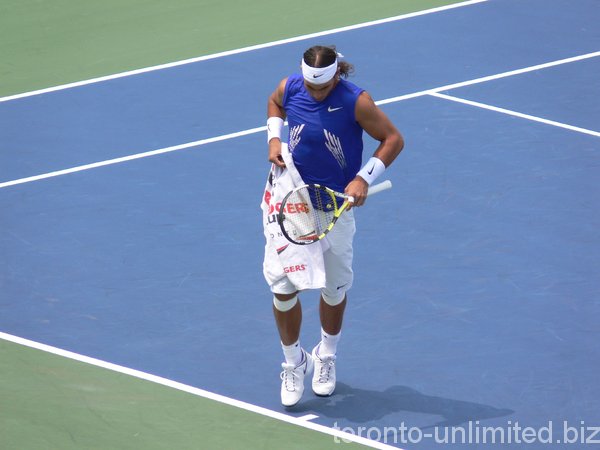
x=284 y=305
x=334 y=301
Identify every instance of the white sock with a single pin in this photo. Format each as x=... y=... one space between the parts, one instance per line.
x=329 y=343
x=292 y=353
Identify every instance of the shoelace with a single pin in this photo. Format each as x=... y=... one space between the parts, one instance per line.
x=289 y=375
x=325 y=372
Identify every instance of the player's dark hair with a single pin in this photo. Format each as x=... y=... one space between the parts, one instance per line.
x=322 y=56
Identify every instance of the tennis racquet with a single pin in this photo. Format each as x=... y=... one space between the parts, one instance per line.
x=310 y=211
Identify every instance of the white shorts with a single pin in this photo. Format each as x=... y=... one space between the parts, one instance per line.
x=337 y=256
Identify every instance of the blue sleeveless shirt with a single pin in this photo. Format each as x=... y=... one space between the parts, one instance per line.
x=324 y=137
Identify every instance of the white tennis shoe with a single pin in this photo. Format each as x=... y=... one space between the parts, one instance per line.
x=292 y=379
x=323 y=382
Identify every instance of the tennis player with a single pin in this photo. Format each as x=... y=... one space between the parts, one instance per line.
x=326 y=116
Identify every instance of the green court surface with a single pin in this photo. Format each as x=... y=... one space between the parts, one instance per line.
x=54 y=403
x=47 y=43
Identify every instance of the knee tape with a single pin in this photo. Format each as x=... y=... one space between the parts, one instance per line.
x=334 y=301
x=284 y=305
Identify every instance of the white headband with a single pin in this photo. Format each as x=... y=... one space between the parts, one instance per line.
x=319 y=75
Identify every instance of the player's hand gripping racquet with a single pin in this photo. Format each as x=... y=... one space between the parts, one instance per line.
x=309 y=212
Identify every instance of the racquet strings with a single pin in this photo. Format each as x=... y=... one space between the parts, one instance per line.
x=308 y=212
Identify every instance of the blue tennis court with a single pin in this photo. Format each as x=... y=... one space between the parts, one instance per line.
x=477 y=295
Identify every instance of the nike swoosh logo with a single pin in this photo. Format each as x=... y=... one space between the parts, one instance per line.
x=317 y=76
x=330 y=109
x=371 y=171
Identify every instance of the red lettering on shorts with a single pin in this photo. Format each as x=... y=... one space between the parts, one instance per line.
x=296 y=268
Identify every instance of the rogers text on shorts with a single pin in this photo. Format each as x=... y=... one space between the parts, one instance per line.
x=513 y=432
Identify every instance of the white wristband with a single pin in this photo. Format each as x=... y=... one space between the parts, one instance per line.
x=371 y=170
x=274 y=127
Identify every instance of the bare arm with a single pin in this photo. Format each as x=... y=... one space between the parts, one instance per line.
x=379 y=127
x=275 y=109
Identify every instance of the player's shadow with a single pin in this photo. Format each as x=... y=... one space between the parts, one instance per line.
x=361 y=406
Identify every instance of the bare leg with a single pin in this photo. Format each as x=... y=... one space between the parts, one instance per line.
x=332 y=316
x=288 y=322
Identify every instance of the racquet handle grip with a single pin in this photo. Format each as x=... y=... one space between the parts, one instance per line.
x=384 y=185
x=387 y=184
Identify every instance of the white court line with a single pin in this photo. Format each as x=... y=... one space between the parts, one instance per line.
x=263 y=128
x=516 y=114
x=497 y=76
x=109 y=162
x=308 y=417
x=336 y=433
x=240 y=50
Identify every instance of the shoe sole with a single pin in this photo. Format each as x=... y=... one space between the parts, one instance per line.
x=324 y=395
